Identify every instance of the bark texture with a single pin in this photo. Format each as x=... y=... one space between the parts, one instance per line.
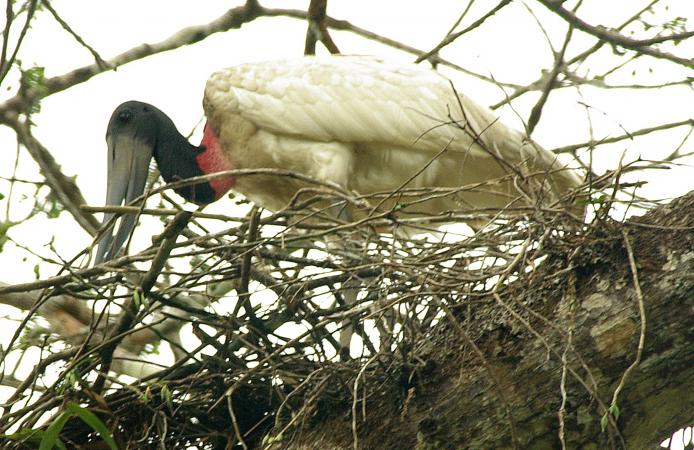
x=495 y=379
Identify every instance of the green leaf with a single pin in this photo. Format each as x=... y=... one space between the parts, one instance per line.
x=54 y=210
x=34 y=79
x=70 y=379
x=93 y=421
x=137 y=298
x=166 y=395
x=614 y=410
x=51 y=435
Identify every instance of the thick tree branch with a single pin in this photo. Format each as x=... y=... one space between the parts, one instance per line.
x=450 y=404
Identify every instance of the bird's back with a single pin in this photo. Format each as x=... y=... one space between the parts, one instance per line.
x=373 y=126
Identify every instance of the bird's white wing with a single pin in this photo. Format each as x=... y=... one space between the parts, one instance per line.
x=354 y=100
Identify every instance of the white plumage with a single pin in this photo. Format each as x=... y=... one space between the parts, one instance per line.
x=369 y=126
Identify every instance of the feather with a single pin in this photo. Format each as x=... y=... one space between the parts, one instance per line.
x=371 y=126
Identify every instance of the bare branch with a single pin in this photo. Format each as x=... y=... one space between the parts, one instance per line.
x=630 y=135
x=99 y=60
x=452 y=37
x=551 y=78
x=234 y=18
x=317 y=31
x=345 y=25
x=65 y=189
x=643 y=46
x=6 y=63
x=576 y=59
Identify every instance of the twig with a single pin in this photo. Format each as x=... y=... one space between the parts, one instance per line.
x=643 y=46
x=355 y=390
x=450 y=38
x=168 y=240
x=317 y=31
x=629 y=135
x=99 y=60
x=536 y=112
x=642 y=330
x=7 y=63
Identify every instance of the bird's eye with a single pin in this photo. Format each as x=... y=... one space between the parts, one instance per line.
x=124 y=116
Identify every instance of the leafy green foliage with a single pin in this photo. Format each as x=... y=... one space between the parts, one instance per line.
x=94 y=422
x=33 y=80
x=50 y=438
x=614 y=411
x=167 y=396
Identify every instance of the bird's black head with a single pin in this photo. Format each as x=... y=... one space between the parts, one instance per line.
x=137 y=132
x=137 y=120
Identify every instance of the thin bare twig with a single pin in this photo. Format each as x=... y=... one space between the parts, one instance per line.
x=450 y=38
x=99 y=60
x=644 y=46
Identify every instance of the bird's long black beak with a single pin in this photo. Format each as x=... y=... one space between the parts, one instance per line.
x=128 y=164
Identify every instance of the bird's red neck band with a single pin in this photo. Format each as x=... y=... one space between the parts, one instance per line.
x=212 y=160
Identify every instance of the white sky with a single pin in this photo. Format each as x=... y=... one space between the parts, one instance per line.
x=511 y=48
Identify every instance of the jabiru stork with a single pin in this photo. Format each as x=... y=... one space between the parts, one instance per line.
x=362 y=123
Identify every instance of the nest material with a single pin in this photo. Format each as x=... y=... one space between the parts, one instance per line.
x=272 y=302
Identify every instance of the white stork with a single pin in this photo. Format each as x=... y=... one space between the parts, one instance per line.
x=367 y=125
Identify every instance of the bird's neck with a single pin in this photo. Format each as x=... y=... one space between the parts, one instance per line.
x=212 y=160
x=178 y=159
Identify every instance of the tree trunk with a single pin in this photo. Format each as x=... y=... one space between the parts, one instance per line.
x=497 y=380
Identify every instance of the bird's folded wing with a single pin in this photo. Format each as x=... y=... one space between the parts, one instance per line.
x=358 y=100
x=354 y=99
